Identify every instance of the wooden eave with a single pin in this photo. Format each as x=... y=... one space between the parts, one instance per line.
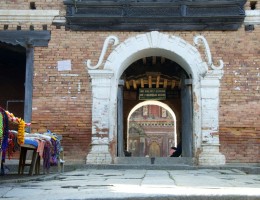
x=26 y=38
x=144 y=15
x=152 y=81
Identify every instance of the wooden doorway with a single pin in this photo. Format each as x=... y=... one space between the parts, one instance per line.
x=154 y=73
x=12 y=78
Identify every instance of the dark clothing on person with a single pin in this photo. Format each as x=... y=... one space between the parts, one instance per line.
x=178 y=151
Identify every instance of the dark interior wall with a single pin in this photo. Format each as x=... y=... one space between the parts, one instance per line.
x=12 y=78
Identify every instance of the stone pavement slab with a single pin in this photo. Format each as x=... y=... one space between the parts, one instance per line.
x=137 y=184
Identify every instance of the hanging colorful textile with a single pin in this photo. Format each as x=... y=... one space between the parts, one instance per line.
x=1 y=130
x=5 y=131
x=21 y=126
x=47 y=155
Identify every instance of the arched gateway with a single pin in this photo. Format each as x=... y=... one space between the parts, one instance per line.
x=204 y=79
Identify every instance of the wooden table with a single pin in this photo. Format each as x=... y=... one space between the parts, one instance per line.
x=35 y=160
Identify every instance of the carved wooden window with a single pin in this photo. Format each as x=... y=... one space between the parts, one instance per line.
x=144 y=15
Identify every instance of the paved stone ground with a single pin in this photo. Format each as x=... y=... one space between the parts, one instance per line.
x=199 y=184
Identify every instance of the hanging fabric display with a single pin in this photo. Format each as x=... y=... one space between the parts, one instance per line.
x=4 y=131
x=1 y=130
x=47 y=144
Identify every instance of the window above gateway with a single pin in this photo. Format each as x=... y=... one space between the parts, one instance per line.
x=149 y=15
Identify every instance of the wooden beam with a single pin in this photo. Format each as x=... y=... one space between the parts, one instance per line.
x=150 y=82
x=179 y=83
x=162 y=60
x=26 y=38
x=158 y=81
x=127 y=85
x=173 y=84
x=154 y=60
x=165 y=82
x=142 y=83
x=208 y=15
x=134 y=84
x=144 y=60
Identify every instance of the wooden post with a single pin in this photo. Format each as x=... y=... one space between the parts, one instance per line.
x=120 y=118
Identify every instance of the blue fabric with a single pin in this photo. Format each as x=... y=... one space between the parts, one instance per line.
x=31 y=141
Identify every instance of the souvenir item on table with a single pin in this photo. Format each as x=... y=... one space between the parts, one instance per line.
x=48 y=144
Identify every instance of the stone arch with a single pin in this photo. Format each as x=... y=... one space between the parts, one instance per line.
x=205 y=91
x=156 y=44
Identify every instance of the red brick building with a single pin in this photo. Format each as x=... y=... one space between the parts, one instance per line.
x=46 y=79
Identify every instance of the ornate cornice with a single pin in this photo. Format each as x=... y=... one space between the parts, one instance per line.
x=28 y=16
x=146 y=15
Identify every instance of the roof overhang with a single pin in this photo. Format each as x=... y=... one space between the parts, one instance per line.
x=26 y=38
x=149 y=15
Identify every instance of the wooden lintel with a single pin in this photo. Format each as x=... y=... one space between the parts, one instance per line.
x=154 y=60
x=165 y=82
x=179 y=83
x=162 y=60
x=150 y=82
x=134 y=84
x=144 y=60
x=127 y=85
x=142 y=83
x=173 y=84
x=157 y=81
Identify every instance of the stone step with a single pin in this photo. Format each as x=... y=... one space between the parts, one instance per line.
x=154 y=161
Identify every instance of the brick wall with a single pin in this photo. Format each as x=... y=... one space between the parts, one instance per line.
x=62 y=99
x=240 y=96
x=240 y=144
x=61 y=105
x=26 y=4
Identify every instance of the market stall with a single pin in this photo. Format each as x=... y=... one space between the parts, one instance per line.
x=45 y=146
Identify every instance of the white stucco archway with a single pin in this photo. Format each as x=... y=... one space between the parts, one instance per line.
x=205 y=90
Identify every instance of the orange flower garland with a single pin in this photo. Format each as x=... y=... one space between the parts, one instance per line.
x=21 y=132
x=21 y=126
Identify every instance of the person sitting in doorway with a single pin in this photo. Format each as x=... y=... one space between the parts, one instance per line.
x=172 y=150
x=176 y=152
x=127 y=153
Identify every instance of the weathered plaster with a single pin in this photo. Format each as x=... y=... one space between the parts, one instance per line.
x=28 y=16
x=252 y=17
x=205 y=85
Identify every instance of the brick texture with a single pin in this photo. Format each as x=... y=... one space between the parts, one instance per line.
x=62 y=99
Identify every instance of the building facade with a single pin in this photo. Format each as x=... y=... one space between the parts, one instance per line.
x=81 y=69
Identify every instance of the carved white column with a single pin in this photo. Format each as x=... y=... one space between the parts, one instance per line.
x=210 y=154
x=210 y=85
x=101 y=86
x=99 y=152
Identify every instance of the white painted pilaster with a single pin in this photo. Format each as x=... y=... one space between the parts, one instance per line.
x=99 y=152
x=210 y=85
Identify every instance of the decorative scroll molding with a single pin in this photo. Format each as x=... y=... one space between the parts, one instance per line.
x=101 y=58
x=197 y=40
